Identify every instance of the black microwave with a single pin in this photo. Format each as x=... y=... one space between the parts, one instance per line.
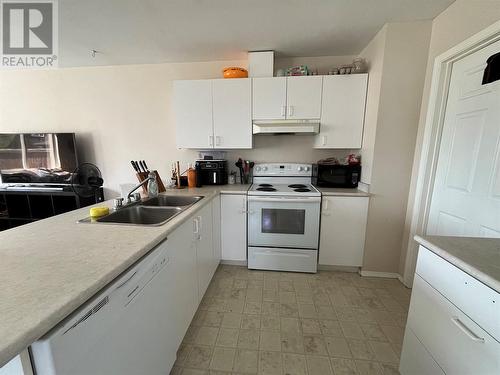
x=336 y=176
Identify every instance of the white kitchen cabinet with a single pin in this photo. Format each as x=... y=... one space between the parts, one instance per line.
x=342 y=231
x=342 y=111
x=213 y=113
x=203 y=231
x=192 y=103
x=217 y=248
x=457 y=343
x=234 y=227
x=303 y=97
x=269 y=98
x=455 y=319
x=232 y=113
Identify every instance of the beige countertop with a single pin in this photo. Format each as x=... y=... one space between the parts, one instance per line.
x=51 y=267
x=342 y=192
x=478 y=257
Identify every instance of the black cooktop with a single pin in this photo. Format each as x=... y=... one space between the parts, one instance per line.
x=266 y=189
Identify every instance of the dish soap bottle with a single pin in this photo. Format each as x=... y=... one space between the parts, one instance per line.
x=152 y=185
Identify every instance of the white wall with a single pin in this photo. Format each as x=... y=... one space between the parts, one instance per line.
x=398 y=55
x=458 y=22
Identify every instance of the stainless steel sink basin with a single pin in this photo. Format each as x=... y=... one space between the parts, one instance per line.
x=171 y=201
x=141 y=215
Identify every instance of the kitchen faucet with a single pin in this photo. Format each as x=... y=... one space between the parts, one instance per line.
x=119 y=201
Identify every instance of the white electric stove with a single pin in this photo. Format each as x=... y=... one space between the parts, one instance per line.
x=283 y=218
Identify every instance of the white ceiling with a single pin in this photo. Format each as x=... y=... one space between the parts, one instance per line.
x=152 y=31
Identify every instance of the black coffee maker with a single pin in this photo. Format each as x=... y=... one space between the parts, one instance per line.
x=211 y=172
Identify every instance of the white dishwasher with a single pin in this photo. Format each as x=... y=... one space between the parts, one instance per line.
x=123 y=330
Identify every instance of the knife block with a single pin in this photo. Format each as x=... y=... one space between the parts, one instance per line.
x=141 y=176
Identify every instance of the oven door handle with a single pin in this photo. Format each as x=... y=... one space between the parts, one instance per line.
x=285 y=199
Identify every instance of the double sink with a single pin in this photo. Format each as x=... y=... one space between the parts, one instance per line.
x=151 y=211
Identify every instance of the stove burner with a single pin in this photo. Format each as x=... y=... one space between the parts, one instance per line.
x=266 y=189
x=265 y=185
x=297 y=186
x=302 y=190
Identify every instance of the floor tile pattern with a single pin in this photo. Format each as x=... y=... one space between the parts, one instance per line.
x=280 y=323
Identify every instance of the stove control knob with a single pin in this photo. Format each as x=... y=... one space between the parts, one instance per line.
x=307 y=169
x=264 y=169
x=257 y=169
x=300 y=169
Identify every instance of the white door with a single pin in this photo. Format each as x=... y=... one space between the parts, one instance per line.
x=234 y=227
x=466 y=196
x=269 y=98
x=193 y=113
x=232 y=113
x=342 y=111
x=304 y=97
x=343 y=228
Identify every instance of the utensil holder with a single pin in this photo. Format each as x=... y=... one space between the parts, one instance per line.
x=141 y=176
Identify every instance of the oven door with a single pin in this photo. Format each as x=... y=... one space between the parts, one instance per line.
x=291 y=222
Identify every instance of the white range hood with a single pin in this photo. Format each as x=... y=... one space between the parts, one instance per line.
x=286 y=127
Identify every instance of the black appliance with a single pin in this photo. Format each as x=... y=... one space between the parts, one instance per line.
x=211 y=172
x=336 y=175
x=37 y=158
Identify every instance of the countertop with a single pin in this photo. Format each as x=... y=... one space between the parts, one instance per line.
x=51 y=267
x=478 y=257
x=342 y=192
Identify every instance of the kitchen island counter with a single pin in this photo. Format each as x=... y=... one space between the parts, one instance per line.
x=478 y=257
x=51 y=267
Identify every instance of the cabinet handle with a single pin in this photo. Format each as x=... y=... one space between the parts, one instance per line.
x=324 y=140
x=467 y=330
x=218 y=140
x=290 y=110
x=210 y=140
x=196 y=226
x=283 y=111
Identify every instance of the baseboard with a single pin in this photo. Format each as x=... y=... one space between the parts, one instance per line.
x=234 y=262
x=326 y=267
x=387 y=275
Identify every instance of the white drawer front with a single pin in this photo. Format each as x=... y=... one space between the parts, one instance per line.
x=457 y=344
x=415 y=359
x=478 y=301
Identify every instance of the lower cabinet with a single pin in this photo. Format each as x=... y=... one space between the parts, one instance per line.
x=203 y=237
x=234 y=227
x=440 y=338
x=342 y=231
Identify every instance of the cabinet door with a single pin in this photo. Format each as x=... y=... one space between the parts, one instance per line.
x=303 y=97
x=234 y=227
x=269 y=98
x=193 y=113
x=204 y=248
x=182 y=251
x=415 y=359
x=343 y=227
x=342 y=111
x=456 y=342
x=217 y=249
x=232 y=113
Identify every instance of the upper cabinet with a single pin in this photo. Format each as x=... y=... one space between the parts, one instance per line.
x=280 y=98
x=342 y=111
x=193 y=113
x=213 y=113
x=303 y=97
x=269 y=98
x=232 y=113
x=218 y=113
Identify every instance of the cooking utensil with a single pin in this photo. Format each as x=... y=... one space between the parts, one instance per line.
x=145 y=166
x=239 y=164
